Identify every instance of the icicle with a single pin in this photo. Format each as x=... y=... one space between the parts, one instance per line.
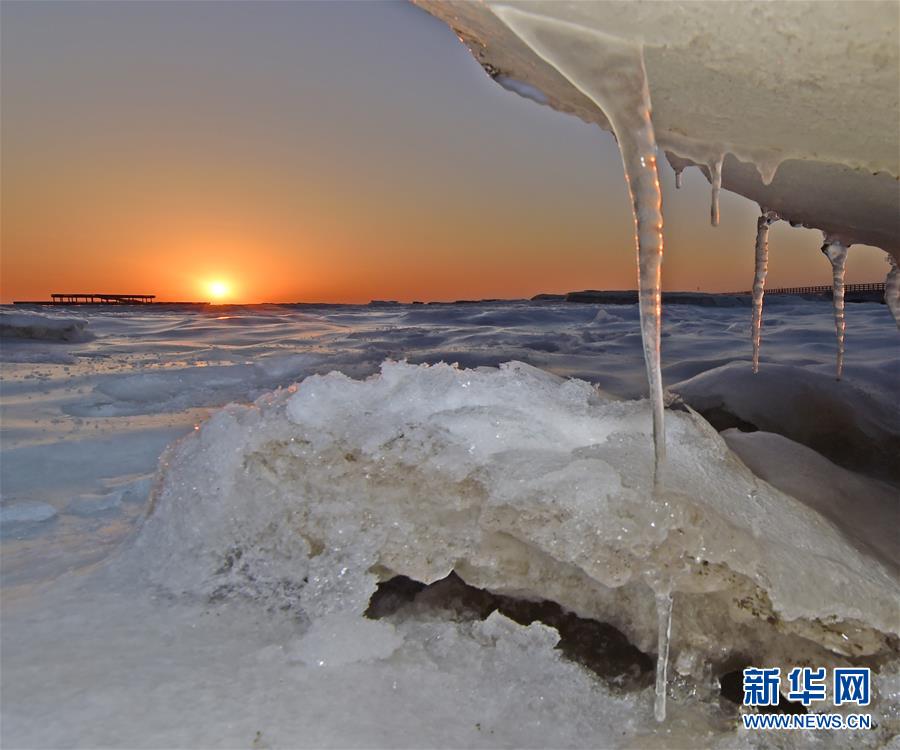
x=664 y=620
x=892 y=289
x=759 y=278
x=836 y=252
x=767 y=167
x=611 y=73
x=678 y=165
x=715 y=177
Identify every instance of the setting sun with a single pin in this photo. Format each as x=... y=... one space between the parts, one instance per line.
x=218 y=289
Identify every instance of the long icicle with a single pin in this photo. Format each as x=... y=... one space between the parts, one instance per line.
x=836 y=252
x=610 y=71
x=664 y=622
x=892 y=289
x=759 y=278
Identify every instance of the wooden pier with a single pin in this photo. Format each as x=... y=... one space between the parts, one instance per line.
x=68 y=299
x=102 y=299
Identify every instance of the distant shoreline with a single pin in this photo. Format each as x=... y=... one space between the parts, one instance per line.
x=870 y=292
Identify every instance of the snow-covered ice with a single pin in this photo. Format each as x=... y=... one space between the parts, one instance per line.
x=219 y=600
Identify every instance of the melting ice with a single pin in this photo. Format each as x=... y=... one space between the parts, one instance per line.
x=836 y=252
x=761 y=266
x=611 y=73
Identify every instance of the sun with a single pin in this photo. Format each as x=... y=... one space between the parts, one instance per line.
x=219 y=289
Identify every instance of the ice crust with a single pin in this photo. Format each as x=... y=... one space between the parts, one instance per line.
x=524 y=484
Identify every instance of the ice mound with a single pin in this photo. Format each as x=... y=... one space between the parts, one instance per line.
x=42 y=327
x=524 y=484
x=826 y=487
x=849 y=425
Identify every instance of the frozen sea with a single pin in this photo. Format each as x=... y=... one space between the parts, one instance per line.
x=91 y=399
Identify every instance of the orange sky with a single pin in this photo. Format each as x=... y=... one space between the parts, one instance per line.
x=292 y=150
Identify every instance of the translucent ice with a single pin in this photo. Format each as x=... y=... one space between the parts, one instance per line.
x=836 y=252
x=678 y=164
x=611 y=73
x=715 y=178
x=759 y=278
x=664 y=617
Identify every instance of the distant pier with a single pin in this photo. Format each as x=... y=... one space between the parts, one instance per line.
x=848 y=288
x=67 y=299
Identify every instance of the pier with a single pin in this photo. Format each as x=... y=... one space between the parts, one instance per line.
x=68 y=299
x=826 y=289
x=102 y=299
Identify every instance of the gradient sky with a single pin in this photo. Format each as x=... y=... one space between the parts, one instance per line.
x=321 y=152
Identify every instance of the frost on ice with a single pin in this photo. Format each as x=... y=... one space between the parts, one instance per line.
x=521 y=483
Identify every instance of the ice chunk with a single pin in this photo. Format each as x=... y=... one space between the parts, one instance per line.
x=521 y=482
x=42 y=326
